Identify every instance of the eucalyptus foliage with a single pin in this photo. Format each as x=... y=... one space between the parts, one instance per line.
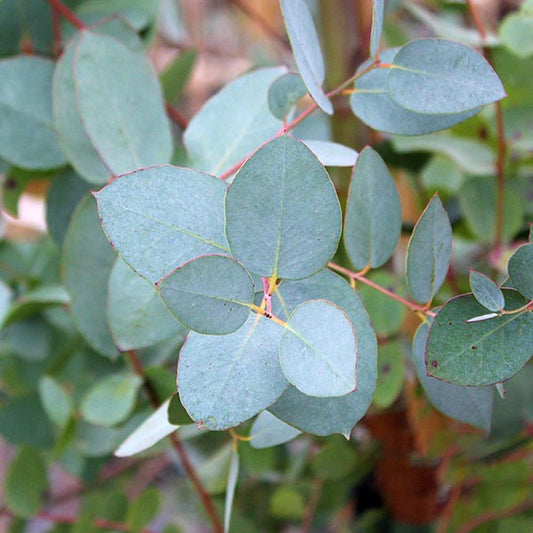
x=225 y=266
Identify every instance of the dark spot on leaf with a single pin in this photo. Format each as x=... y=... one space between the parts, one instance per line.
x=434 y=364
x=450 y=322
x=10 y=184
x=474 y=347
x=385 y=369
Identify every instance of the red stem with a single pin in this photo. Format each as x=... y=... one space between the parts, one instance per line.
x=205 y=498
x=176 y=116
x=67 y=14
x=360 y=277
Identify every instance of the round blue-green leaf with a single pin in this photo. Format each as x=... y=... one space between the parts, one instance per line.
x=372 y=103
x=520 y=270
x=283 y=216
x=110 y=400
x=472 y=405
x=318 y=351
x=429 y=252
x=439 y=76
x=28 y=138
x=137 y=316
x=120 y=104
x=324 y=416
x=516 y=33
x=225 y=380
x=71 y=131
x=233 y=123
x=160 y=217
x=306 y=48
x=479 y=353
x=211 y=294
x=56 y=401
x=478 y=200
x=373 y=213
x=485 y=291
x=284 y=93
x=268 y=430
x=332 y=154
x=25 y=482
x=86 y=264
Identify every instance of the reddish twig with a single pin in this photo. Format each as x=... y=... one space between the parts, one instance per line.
x=67 y=14
x=490 y=516
x=360 y=277
x=176 y=116
x=502 y=142
x=263 y=23
x=205 y=498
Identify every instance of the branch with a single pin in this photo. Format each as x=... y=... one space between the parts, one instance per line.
x=490 y=516
x=360 y=277
x=502 y=142
x=205 y=498
x=176 y=116
x=69 y=15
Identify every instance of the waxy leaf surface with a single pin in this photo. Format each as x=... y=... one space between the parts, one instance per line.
x=28 y=138
x=378 y=12
x=324 y=416
x=306 y=48
x=282 y=212
x=520 y=270
x=284 y=93
x=86 y=251
x=120 y=104
x=439 y=76
x=429 y=252
x=233 y=123
x=224 y=380
x=160 y=217
x=472 y=405
x=137 y=316
x=373 y=213
x=372 y=103
x=486 y=292
x=318 y=351
x=268 y=430
x=211 y=294
x=479 y=353
x=332 y=154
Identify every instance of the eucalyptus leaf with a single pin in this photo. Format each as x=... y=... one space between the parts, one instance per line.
x=177 y=214
x=325 y=416
x=318 y=351
x=429 y=252
x=25 y=482
x=439 y=76
x=486 y=292
x=332 y=154
x=120 y=104
x=372 y=103
x=306 y=48
x=224 y=380
x=520 y=270
x=177 y=74
x=136 y=314
x=155 y=428
x=211 y=294
x=284 y=93
x=233 y=476
x=472 y=405
x=391 y=375
x=479 y=353
x=286 y=179
x=111 y=400
x=233 y=123
x=86 y=250
x=56 y=401
x=373 y=213
x=378 y=13
x=268 y=430
x=27 y=135
x=516 y=33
